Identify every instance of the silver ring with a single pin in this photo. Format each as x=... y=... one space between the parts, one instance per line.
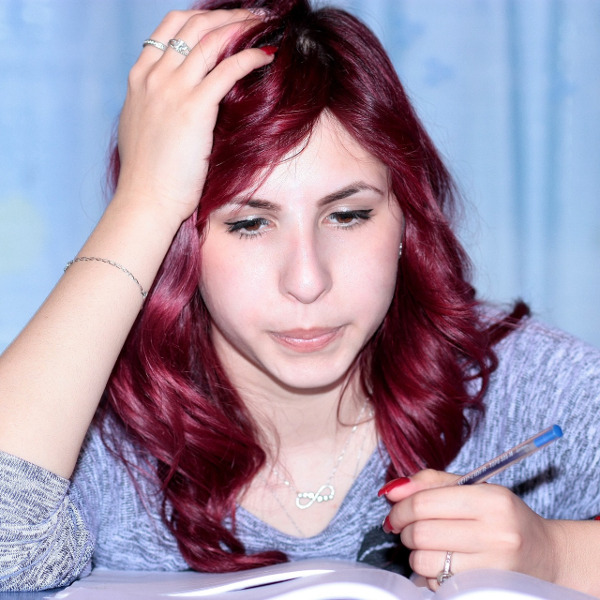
x=156 y=44
x=445 y=573
x=179 y=46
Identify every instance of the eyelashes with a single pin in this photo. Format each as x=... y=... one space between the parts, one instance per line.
x=247 y=227
x=256 y=226
x=350 y=218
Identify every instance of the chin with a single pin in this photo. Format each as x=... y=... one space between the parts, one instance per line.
x=318 y=379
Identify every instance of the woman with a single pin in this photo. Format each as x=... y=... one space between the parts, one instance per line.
x=277 y=317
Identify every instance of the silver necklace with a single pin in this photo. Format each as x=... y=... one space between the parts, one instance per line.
x=325 y=492
x=285 y=511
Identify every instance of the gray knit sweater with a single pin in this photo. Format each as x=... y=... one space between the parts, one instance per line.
x=53 y=530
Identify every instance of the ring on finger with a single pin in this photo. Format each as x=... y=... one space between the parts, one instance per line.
x=179 y=46
x=445 y=573
x=156 y=44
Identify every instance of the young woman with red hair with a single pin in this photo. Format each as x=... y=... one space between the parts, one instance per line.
x=272 y=321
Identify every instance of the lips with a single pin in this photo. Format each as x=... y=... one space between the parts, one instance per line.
x=307 y=340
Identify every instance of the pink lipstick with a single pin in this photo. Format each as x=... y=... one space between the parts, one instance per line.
x=306 y=340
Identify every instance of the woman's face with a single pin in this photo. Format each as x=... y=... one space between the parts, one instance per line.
x=298 y=279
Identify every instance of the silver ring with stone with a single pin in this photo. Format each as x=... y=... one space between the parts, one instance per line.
x=445 y=573
x=179 y=46
x=154 y=43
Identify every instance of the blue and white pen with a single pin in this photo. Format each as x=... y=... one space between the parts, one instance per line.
x=512 y=456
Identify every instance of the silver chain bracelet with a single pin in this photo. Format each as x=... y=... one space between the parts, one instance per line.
x=112 y=263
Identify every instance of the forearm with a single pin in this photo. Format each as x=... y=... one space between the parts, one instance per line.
x=577 y=555
x=53 y=375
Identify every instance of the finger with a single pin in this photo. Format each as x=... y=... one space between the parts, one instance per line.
x=403 y=487
x=430 y=564
x=441 y=534
x=206 y=33
x=169 y=26
x=230 y=70
x=453 y=502
x=432 y=478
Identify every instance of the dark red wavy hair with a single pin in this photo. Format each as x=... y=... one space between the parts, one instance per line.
x=426 y=368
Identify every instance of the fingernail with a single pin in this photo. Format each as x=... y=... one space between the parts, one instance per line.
x=260 y=12
x=270 y=50
x=386 y=525
x=392 y=485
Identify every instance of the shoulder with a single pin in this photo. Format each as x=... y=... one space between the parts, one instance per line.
x=543 y=371
x=538 y=355
x=544 y=377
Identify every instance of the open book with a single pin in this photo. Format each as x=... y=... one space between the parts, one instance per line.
x=310 y=580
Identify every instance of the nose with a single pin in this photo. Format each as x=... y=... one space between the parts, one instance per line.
x=305 y=273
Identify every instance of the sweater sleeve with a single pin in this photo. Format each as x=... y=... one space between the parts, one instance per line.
x=44 y=539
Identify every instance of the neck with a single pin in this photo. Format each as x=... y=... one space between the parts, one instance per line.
x=315 y=457
x=291 y=422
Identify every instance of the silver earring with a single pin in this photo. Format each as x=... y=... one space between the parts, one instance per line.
x=400 y=250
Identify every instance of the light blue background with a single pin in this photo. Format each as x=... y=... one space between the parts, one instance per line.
x=509 y=89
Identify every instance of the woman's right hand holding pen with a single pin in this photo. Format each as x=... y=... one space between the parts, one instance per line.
x=487 y=526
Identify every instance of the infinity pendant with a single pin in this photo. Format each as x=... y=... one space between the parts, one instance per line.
x=307 y=499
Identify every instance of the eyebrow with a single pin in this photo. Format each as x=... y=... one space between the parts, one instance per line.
x=341 y=194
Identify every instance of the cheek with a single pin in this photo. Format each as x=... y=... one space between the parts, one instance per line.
x=232 y=289
x=373 y=271
x=369 y=285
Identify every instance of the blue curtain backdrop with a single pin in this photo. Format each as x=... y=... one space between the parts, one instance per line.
x=509 y=90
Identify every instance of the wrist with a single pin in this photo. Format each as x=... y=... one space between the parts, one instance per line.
x=559 y=568
x=170 y=196
x=576 y=553
x=134 y=234
x=150 y=210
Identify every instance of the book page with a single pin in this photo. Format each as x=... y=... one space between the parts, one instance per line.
x=308 y=579
x=495 y=584
x=311 y=580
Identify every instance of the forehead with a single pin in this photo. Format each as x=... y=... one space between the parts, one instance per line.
x=329 y=159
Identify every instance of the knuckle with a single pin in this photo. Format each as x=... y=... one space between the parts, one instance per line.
x=240 y=61
x=429 y=473
x=502 y=498
x=174 y=18
x=195 y=19
x=135 y=75
x=512 y=542
x=420 y=504
x=154 y=80
x=210 y=36
x=425 y=476
x=421 y=533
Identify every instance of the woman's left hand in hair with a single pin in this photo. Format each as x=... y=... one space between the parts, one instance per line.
x=484 y=525
x=166 y=126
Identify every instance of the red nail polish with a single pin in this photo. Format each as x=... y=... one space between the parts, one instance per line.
x=269 y=49
x=392 y=485
x=386 y=525
x=597 y=518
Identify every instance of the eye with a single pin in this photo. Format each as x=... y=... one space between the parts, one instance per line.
x=247 y=227
x=349 y=218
